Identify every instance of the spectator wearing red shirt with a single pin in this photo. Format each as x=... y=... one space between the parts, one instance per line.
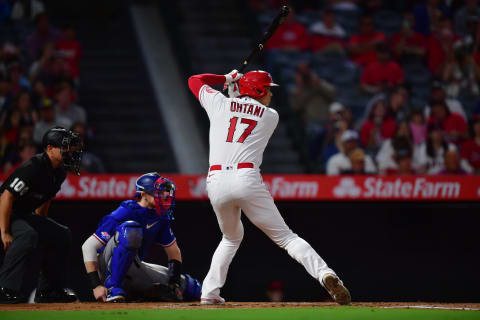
x=408 y=43
x=70 y=49
x=362 y=45
x=290 y=35
x=382 y=74
x=378 y=127
x=470 y=153
x=327 y=35
x=440 y=47
x=455 y=126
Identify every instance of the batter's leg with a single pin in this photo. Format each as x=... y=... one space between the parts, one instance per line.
x=262 y=212
x=228 y=216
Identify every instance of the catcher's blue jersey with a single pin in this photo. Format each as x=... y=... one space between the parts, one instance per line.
x=155 y=228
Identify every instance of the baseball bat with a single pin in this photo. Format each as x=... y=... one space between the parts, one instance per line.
x=277 y=21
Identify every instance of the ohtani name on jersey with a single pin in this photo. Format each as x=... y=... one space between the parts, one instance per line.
x=247 y=109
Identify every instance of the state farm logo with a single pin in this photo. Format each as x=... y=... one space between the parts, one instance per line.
x=66 y=189
x=281 y=188
x=402 y=188
x=347 y=188
x=198 y=187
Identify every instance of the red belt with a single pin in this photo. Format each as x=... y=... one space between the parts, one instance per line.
x=241 y=165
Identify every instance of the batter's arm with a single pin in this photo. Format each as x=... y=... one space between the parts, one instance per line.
x=43 y=209
x=6 y=203
x=196 y=82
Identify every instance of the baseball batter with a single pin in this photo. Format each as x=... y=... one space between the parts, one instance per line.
x=240 y=127
x=114 y=254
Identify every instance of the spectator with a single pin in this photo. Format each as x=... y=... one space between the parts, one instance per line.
x=25 y=151
x=463 y=16
x=403 y=162
x=408 y=44
x=357 y=158
x=51 y=69
x=381 y=74
x=398 y=103
x=65 y=106
x=427 y=15
x=452 y=163
x=311 y=98
x=70 y=49
x=43 y=34
x=440 y=47
x=48 y=120
x=470 y=153
x=438 y=94
x=6 y=98
x=343 y=5
x=454 y=125
x=91 y=163
x=401 y=139
x=418 y=127
x=23 y=107
x=461 y=73
x=18 y=82
x=378 y=127
x=431 y=154
x=327 y=35
x=328 y=141
x=362 y=45
x=341 y=162
x=290 y=36
x=27 y=9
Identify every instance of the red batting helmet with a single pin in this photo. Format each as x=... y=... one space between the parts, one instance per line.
x=253 y=84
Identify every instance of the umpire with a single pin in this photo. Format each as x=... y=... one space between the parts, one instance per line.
x=25 y=227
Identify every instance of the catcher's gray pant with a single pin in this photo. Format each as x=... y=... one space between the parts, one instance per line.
x=141 y=276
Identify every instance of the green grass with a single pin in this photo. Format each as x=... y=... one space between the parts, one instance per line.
x=357 y=313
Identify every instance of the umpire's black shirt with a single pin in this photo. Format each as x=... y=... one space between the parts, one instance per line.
x=34 y=183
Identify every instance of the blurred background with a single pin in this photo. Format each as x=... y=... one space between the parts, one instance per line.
x=382 y=88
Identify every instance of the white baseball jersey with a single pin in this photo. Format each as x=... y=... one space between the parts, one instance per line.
x=239 y=127
x=239 y=132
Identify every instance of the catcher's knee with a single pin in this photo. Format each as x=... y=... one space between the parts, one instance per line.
x=129 y=235
x=193 y=289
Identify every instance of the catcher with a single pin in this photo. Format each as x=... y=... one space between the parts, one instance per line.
x=114 y=254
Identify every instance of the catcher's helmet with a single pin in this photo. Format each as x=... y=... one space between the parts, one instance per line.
x=162 y=189
x=146 y=183
x=253 y=84
x=70 y=146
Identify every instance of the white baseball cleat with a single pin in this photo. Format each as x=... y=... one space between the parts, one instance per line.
x=204 y=301
x=336 y=289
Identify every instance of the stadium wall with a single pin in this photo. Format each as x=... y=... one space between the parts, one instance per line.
x=384 y=251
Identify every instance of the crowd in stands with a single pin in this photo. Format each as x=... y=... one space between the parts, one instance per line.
x=39 y=78
x=389 y=87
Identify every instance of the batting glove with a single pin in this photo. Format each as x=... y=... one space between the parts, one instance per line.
x=233 y=76
x=232 y=89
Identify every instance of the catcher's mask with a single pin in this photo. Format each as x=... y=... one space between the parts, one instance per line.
x=164 y=196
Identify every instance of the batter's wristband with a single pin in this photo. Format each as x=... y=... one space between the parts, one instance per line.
x=174 y=271
x=94 y=279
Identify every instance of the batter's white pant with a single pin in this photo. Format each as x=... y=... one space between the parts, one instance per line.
x=236 y=190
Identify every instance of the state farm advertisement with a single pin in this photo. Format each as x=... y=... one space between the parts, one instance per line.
x=291 y=187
